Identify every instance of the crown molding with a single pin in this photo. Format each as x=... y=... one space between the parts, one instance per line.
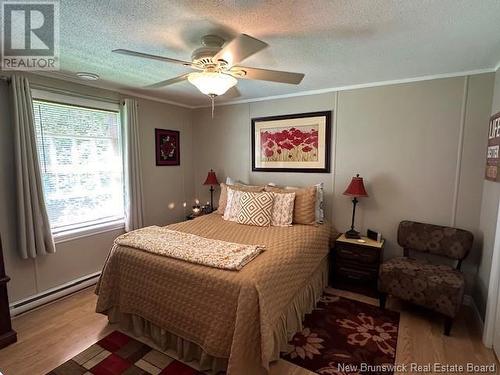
x=68 y=78
x=353 y=87
x=155 y=99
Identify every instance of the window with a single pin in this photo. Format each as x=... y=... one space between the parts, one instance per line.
x=80 y=157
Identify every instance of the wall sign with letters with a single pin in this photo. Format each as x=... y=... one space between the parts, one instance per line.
x=493 y=153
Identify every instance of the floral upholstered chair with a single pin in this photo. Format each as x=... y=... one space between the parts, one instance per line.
x=437 y=287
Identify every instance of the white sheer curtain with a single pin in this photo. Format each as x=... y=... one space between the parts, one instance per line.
x=34 y=234
x=134 y=212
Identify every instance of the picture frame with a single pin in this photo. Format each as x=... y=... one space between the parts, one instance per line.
x=493 y=151
x=298 y=143
x=167 y=145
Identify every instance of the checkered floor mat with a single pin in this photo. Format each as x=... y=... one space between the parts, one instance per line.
x=119 y=354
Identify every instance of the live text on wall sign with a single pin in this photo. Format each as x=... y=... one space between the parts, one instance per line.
x=493 y=153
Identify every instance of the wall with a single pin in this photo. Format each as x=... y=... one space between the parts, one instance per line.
x=420 y=147
x=81 y=257
x=488 y=219
x=167 y=187
x=223 y=143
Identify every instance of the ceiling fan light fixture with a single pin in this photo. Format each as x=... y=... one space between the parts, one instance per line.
x=212 y=83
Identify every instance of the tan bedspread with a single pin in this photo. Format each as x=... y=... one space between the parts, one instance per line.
x=228 y=314
x=190 y=247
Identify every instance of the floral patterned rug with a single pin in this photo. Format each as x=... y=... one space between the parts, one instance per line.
x=343 y=336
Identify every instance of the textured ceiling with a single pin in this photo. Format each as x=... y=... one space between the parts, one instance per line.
x=335 y=43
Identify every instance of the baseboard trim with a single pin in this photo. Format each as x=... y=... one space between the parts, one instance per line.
x=53 y=294
x=469 y=301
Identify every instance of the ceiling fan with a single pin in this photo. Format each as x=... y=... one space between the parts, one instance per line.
x=217 y=65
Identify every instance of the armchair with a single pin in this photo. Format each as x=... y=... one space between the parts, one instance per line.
x=437 y=287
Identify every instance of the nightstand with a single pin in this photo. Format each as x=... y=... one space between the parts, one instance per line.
x=354 y=264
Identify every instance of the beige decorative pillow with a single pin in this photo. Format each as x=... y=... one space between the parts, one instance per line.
x=223 y=198
x=256 y=208
x=283 y=209
x=320 y=205
x=245 y=187
x=305 y=202
x=275 y=189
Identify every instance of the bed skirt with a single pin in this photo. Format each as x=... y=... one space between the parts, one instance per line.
x=289 y=323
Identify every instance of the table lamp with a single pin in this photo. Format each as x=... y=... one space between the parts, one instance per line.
x=212 y=181
x=355 y=189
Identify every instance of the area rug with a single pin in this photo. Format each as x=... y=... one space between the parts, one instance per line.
x=119 y=354
x=340 y=336
x=343 y=336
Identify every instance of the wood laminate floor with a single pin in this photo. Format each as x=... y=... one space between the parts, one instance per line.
x=55 y=333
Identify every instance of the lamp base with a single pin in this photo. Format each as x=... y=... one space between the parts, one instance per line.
x=352 y=234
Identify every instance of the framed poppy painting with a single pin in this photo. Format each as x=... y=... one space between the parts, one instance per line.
x=292 y=143
x=167 y=147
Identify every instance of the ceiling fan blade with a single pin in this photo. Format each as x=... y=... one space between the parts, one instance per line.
x=152 y=57
x=239 y=49
x=168 y=82
x=267 y=75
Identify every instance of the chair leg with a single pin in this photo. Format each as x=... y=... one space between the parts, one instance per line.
x=447 y=325
x=383 y=299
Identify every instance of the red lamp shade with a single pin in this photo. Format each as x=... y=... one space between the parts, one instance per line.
x=356 y=188
x=211 y=179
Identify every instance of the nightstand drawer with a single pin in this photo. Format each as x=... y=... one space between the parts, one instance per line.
x=362 y=255
x=355 y=273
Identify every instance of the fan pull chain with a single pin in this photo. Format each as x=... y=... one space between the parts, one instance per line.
x=212 y=98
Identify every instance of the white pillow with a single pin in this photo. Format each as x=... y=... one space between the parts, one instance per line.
x=320 y=205
x=282 y=215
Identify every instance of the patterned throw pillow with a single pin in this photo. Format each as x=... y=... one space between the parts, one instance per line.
x=283 y=209
x=223 y=199
x=256 y=209
x=233 y=204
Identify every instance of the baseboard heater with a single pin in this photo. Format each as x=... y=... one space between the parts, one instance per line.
x=53 y=294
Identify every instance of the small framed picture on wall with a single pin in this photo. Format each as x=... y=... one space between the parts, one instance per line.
x=292 y=143
x=167 y=147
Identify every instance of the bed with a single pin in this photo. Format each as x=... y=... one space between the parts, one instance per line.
x=226 y=320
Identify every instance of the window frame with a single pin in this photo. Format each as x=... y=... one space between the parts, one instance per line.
x=89 y=228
